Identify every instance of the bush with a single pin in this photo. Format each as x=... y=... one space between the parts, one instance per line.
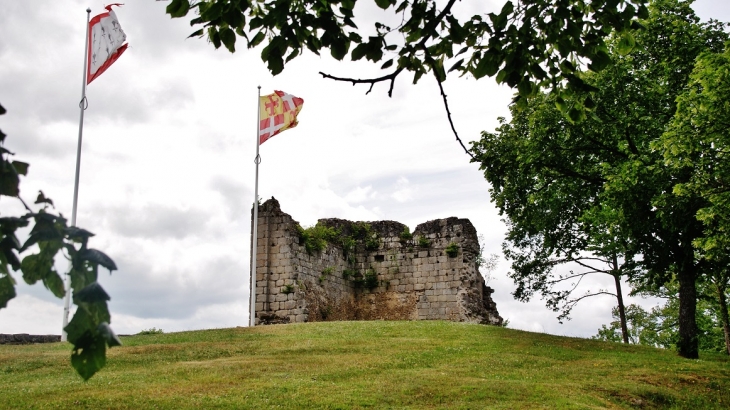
x=315 y=238
x=452 y=250
x=151 y=331
x=406 y=235
x=423 y=242
x=370 y=280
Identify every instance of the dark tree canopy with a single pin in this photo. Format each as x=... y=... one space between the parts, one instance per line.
x=529 y=45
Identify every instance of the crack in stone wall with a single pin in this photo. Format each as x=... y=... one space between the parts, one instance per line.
x=412 y=282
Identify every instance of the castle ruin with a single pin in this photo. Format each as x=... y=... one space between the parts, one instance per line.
x=343 y=270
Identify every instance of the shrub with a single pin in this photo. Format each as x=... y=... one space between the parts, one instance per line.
x=287 y=289
x=348 y=273
x=423 y=242
x=452 y=250
x=370 y=279
x=406 y=235
x=315 y=238
x=151 y=331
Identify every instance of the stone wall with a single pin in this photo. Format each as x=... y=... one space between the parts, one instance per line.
x=24 y=339
x=382 y=276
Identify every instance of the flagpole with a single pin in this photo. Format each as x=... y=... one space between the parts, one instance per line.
x=82 y=108
x=257 y=161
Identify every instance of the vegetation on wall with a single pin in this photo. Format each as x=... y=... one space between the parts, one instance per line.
x=452 y=250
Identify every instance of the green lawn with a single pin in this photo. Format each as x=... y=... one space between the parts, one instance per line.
x=428 y=364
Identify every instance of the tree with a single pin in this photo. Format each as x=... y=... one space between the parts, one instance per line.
x=88 y=330
x=529 y=45
x=697 y=142
x=658 y=327
x=604 y=168
x=546 y=183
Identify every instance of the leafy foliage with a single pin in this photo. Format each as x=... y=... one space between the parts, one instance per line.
x=529 y=44
x=599 y=186
x=406 y=235
x=452 y=249
x=88 y=330
x=315 y=238
x=370 y=279
x=423 y=242
x=151 y=331
x=659 y=326
x=697 y=141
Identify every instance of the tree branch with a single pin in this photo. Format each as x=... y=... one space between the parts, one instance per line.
x=371 y=81
x=430 y=62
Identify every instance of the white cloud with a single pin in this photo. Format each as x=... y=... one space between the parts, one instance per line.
x=360 y=194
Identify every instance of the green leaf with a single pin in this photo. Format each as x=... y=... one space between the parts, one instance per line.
x=98 y=257
x=358 y=52
x=525 y=87
x=456 y=65
x=89 y=355
x=383 y=4
x=626 y=44
x=38 y=236
x=8 y=245
x=387 y=64
x=257 y=39
x=77 y=234
x=599 y=61
x=339 y=49
x=273 y=59
x=80 y=324
x=214 y=37
x=35 y=267
x=197 y=33
x=178 y=8
x=92 y=293
x=488 y=65
x=292 y=55
x=9 y=182
x=108 y=334
x=561 y=104
x=576 y=115
x=228 y=37
x=21 y=167
x=41 y=199
x=7 y=290
x=54 y=283
x=2 y=110
x=507 y=9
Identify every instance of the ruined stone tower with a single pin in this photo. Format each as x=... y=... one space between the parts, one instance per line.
x=367 y=271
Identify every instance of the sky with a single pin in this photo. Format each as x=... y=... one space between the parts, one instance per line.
x=167 y=171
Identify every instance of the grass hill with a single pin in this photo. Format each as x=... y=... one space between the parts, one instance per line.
x=354 y=365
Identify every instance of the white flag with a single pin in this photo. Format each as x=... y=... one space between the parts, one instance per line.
x=106 y=42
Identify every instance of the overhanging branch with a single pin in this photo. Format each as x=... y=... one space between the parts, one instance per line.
x=372 y=81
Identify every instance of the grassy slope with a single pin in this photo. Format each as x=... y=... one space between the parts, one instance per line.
x=365 y=364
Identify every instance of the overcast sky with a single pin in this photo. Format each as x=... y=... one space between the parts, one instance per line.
x=167 y=171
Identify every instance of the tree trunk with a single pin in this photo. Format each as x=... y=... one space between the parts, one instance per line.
x=620 y=297
x=688 y=344
x=721 y=288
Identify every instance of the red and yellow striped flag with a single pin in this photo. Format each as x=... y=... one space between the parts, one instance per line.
x=278 y=112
